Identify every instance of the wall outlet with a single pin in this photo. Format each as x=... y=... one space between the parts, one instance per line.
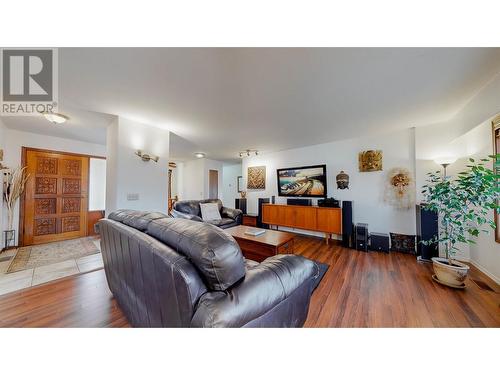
x=132 y=196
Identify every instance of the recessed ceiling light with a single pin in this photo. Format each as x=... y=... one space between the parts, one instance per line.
x=199 y=155
x=55 y=118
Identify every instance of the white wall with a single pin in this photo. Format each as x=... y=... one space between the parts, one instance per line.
x=217 y=166
x=230 y=184
x=366 y=189
x=195 y=178
x=15 y=140
x=97 y=184
x=193 y=185
x=127 y=174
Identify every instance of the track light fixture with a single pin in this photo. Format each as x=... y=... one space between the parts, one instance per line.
x=248 y=153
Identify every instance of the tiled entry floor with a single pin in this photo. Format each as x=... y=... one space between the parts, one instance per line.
x=24 y=279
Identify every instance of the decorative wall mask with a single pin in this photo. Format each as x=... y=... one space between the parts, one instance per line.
x=400 y=188
x=342 y=180
x=256 y=178
x=370 y=161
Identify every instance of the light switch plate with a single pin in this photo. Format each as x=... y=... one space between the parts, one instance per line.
x=132 y=196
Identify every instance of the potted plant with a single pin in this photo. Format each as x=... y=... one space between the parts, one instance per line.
x=14 y=183
x=463 y=205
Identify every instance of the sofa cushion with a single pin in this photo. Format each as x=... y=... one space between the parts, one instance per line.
x=209 y=211
x=136 y=219
x=221 y=223
x=188 y=207
x=214 y=253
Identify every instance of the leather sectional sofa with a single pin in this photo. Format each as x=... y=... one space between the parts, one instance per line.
x=190 y=210
x=170 y=272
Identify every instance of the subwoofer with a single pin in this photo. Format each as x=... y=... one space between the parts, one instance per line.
x=347 y=225
x=379 y=242
x=427 y=228
x=361 y=232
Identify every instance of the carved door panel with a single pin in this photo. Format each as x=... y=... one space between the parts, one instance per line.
x=55 y=204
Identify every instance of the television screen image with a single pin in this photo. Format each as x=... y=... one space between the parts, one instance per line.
x=302 y=182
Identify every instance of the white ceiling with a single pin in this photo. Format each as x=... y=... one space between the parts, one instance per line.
x=221 y=101
x=83 y=125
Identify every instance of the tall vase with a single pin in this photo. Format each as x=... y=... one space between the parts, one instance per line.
x=10 y=219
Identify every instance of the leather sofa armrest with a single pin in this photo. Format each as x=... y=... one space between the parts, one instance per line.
x=262 y=288
x=182 y=215
x=232 y=213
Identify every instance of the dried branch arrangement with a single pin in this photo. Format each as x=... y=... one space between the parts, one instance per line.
x=15 y=181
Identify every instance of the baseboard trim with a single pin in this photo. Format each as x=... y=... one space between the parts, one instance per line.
x=485 y=271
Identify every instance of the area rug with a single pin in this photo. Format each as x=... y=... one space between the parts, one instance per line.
x=322 y=270
x=41 y=255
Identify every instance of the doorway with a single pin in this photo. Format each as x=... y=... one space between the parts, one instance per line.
x=55 y=201
x=213 y=184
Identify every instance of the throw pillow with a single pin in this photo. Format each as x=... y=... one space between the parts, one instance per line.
x=210 y=211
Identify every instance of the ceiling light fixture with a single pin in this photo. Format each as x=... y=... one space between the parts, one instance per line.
x=248 y=153
x=55 y=118
x=199 y=155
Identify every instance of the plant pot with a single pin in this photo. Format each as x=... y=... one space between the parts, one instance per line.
x=452 y=275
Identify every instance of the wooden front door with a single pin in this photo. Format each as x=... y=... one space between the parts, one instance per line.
x=55 y=202
x=213 y=184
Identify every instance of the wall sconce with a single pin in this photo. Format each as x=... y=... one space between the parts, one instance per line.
x=146 y=157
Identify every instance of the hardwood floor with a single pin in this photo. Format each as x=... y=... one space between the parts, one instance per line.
x=392 y=290
x=359 y=290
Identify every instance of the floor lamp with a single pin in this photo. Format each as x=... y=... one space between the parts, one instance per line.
x=445 y=162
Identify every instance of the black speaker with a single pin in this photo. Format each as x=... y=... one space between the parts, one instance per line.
x=347 y=225
x=241 y=204
x=427 y=228
x=260 y=224
x=273 y=199
x=361 y=232
x=299 y=202
x=379 y=242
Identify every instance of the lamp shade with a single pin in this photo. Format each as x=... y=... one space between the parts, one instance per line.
x=445 y=160
x=55 y=118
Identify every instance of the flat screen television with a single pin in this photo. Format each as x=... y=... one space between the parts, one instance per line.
x=302 y=181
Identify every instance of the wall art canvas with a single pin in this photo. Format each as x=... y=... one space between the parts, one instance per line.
x=400 y=188
x=370 y=161
x=240 y=184
x=256 y=178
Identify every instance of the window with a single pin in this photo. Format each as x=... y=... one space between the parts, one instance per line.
x=97 y=184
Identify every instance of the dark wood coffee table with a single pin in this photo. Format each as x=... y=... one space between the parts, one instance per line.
x=262 y=246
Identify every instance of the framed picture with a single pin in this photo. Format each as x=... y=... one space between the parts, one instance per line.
x=240 y=184
x=256 y=178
